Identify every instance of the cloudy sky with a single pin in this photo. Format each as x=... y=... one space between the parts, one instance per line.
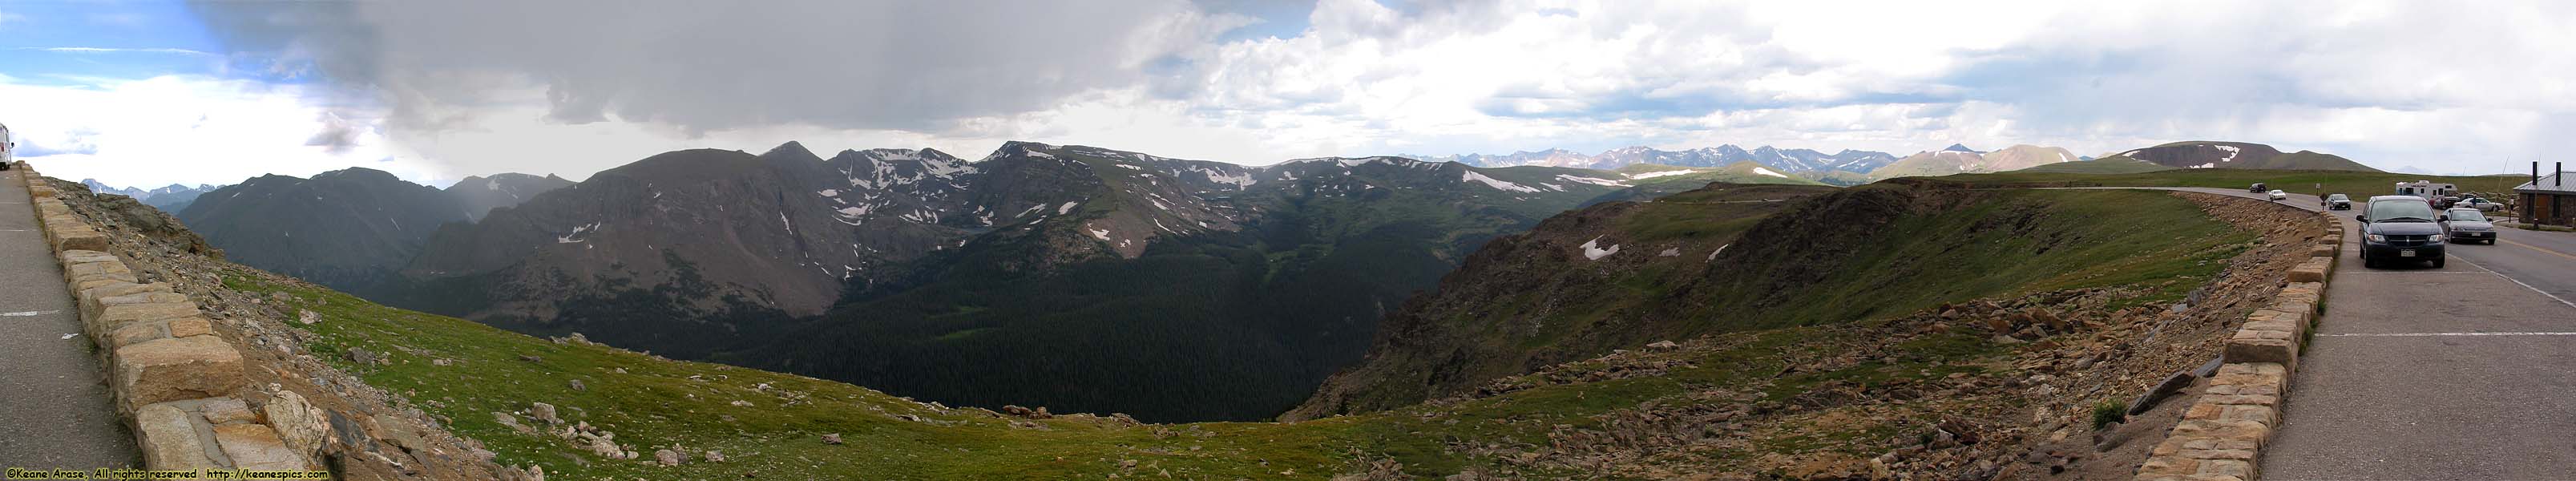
x=151 y=93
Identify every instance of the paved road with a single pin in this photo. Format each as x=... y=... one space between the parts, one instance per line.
x=54 y=409
x=2462 y=372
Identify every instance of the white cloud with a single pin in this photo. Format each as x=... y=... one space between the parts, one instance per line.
x=179 y=129
x=2449 y=87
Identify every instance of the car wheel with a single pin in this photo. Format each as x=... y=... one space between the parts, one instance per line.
x=2438 y=261
x=2367 y=262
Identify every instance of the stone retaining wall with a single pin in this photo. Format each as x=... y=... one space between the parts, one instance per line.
x=174 y=381
x=2223 y=433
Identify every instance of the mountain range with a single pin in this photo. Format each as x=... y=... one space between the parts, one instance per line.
x=349 y=229
x=1076 y=277
x=171 y=198
x=934 y=276
x=1793 y=161
x=1959 y=159
x=2237 y=155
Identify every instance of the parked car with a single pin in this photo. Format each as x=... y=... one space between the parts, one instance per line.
x=2479 y=203
x=2337 y=202
x=2467 y=225
x=2258 y=188
x=2277 y=195
x=2399 y=228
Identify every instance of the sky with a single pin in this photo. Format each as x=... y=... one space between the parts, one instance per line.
x=148 y=93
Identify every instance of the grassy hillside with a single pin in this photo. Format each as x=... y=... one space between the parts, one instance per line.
x=1855 y=385
x=463 y=373
x=1684 y=270
x=1842 y=178
x=2120 y=165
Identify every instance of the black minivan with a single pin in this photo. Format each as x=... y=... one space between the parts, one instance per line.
x=2400 y=228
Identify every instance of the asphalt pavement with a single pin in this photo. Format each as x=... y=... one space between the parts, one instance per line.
x=54 y=410
x=2462 y=372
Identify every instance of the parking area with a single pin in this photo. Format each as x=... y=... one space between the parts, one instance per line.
x=2458 y=372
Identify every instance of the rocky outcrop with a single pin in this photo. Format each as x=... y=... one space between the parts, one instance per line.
x=201 y=387
x=2222 y=435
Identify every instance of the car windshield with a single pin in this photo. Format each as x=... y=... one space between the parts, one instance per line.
x=2338 y=197
x=2467 y=215
x=2388 y=210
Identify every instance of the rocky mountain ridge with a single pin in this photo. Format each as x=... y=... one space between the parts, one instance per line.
x=2236 y=155
x=1959 y=159
x=1794 y=161
x=171 y=198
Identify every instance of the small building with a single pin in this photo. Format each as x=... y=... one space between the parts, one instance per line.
x=2426 y=189
x=2550 y=200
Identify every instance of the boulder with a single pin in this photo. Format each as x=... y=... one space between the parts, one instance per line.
x=256 y=447
x=1663 y=346
x=91 y=307
x=834 y=438
x=76 y=270
x=115 y=317
x=224 y=410
x=80 y=256
x=135 y=333
x=512 y=422
x=666 y=457
x=78 y=237
x=190 y=326
x=2314 y=270
x=298 y=423
x=168 y=438
x=176 y=369
x=544 y=412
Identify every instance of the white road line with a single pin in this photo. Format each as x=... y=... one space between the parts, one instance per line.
x=2446 y=334
x=26 y=313
x=2404 y=273
x=2553 y=297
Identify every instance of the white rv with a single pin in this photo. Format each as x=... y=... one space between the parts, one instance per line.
x=2426 y=189
x=8 y=148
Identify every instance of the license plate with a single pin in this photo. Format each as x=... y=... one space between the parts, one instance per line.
x=2406 y=253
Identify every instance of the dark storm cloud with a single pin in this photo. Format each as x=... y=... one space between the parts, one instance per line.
x=700 y=66
x=338 y=136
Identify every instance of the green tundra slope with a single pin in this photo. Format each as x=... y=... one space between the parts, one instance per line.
x=1867 y=252
x=2112 y=165
x=1762 y=394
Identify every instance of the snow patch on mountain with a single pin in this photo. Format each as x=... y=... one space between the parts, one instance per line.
x=1596 y=253
x=1590 y=180
x=575 y=236
x=1472 y=176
